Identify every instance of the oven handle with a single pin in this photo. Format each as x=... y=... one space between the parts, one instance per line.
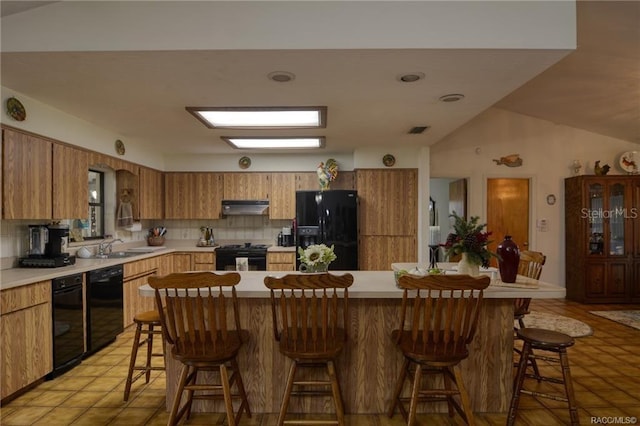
x=67 y=290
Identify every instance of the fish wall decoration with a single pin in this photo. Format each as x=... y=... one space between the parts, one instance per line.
x=512 y=160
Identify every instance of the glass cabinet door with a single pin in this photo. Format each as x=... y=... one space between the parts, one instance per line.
x=616 y=215
x=596 y=218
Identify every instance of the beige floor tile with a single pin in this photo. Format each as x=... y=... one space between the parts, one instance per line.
x=105 y=384
x=83 y=399
x=25 y=416
x=111 y=399
x=144 y=400
x=60 y=416
x=134 y=416
x=89 y=370
x=51 y=398
x=96 y=416
x=70 y=383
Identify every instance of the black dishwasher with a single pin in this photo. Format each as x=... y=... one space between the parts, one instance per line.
x=68 y=333
x=104 y=307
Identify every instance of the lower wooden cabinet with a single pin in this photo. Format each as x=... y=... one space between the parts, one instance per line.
x=204 y=261
x=136 y=275
x=25 y=336
x=281 y=261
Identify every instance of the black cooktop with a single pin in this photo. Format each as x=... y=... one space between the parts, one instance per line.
x=245 y=247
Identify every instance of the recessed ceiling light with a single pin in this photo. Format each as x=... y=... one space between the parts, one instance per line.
x=453 y=97
x=281 y=76
x=294 y=142
x=411 y=77
x=261 y=118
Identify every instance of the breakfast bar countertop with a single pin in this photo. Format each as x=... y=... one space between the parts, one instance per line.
x=381 y=285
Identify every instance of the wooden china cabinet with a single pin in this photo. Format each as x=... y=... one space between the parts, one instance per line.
x=602 y=238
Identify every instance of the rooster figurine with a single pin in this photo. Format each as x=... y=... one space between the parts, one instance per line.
x=601 y=170
x=327 y=173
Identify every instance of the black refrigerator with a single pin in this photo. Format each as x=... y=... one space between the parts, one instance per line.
x=331 y=218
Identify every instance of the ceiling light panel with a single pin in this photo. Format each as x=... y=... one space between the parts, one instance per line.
x=275 y=142
x=261 y=118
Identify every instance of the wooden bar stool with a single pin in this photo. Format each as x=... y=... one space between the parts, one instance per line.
x=550 y=341
x=145 y=323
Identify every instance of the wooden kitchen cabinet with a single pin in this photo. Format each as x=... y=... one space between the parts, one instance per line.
x=193 y=195
x=204 y=261
x=635 y=215
x=601 y=238
x=27 y=174
x=70 y=168
x=281 y=261
x=25 y=335
x=282 y=204
x=102 y=160
x=308 y=181
x=151 y=192
x=136 y=274
x=388 y=217
x=182 y=262
x=247 y=186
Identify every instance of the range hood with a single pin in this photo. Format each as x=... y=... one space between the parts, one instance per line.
x=245 y=207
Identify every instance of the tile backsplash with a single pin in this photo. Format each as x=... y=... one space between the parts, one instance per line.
x=257 y=229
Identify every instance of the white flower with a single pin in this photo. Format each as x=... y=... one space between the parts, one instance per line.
x=316 y=254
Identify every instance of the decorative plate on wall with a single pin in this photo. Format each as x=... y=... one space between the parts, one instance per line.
x=629 y=161
x=388 y=160
x=120 y=147
x=16 y=110
x=244 y=162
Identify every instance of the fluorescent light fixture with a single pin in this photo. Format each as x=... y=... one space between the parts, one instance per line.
x=303 y=142
x=261 y=117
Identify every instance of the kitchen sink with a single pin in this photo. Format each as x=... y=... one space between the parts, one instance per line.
x=117 y=255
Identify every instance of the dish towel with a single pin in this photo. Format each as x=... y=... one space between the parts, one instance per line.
x=125 y=214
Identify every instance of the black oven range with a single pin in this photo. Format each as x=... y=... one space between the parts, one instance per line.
x=256 y=255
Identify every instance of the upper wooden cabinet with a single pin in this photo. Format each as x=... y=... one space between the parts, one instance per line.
x=103 y=160
x=247 y=186
x=151 y=194
x=70 y=197
x=193 y=195
x=388 y=201
x=282 y=204
x=27 y=174
x=308 y=181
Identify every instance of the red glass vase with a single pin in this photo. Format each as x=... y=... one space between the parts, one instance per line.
x=509 y=259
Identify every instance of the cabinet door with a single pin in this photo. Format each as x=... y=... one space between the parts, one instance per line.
x=281 y=261
x=307 y=181
x=27 y=174
x=247 y=186
x=133 y=302
x=388 y=202
x=151 y=191
x=282 y=204
x=193 y=195
x=182 y=262
x=70 y=194
x=377 y=253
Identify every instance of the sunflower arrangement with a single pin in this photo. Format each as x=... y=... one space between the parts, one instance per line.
x=471 y=238
x=316 y=257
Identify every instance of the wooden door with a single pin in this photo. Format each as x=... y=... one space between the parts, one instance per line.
x=508 y=211
x=458 y=198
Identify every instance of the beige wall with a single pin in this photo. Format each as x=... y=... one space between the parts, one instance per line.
x=547 y=151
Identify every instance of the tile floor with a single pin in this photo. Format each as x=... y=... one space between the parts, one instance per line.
x=605 y=369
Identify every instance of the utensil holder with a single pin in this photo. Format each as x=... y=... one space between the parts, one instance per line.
x=155 y=241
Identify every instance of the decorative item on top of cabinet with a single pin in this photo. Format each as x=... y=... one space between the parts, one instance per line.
x=602 y=239
x=16 y=110
x=327 y=173
x=512 y=160
x=388 y=160
x=244 y=162
x=120 y=149
x=601 y=170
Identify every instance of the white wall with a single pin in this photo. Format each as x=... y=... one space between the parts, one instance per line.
x=547 y=150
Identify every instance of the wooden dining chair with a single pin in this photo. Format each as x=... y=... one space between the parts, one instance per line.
x=530 y=265
x=438 y=320
x=310 y=313
x=199 y=316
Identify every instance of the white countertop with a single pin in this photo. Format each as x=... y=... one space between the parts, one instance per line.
x=381 y=284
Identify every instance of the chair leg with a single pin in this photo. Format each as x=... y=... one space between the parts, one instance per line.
x=415 y=392
x=149 y=353
x=398 y=390
x=226 y=391
x=176 y=402
x=464 y=396
x=515 y=399
x=337 y=397
x=132 y=361
x=447 y=385
x=568 y=384
x=192 y=377
x=287 y=393
x=243 y=394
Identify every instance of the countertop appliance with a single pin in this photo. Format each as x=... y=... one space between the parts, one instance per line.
x=104 y=307
x=256 y=255
x=68 y=332
x=47 y=247
x=331 y=218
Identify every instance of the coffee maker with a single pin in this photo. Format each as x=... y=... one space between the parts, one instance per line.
x=47 y=247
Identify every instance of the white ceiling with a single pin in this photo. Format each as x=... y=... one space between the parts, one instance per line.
x=142 y=94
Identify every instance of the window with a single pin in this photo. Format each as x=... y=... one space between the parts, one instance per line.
x=94 y=228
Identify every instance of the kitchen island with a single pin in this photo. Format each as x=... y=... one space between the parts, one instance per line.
x=370 y=363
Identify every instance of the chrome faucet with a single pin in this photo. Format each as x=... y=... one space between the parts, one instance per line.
x=104 y=246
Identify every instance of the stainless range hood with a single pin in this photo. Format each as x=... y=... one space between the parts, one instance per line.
x=245 y=207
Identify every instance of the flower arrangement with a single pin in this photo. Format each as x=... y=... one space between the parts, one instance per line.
x=316 y=258
x=468 y=237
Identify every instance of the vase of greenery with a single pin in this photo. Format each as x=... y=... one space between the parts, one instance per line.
x=469 y=239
